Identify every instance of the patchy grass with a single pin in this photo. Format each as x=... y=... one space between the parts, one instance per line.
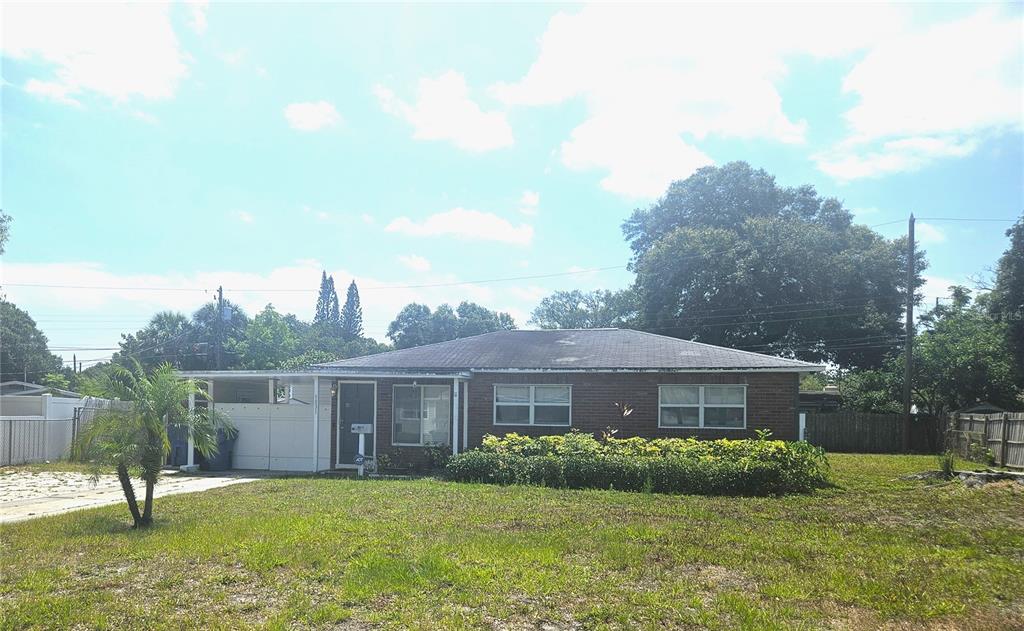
x=876 y=551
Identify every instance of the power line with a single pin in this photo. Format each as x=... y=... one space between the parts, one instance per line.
x=827 y=340
x=981 y=219
x=963 y=219
x=750 y=322
x=308 y=290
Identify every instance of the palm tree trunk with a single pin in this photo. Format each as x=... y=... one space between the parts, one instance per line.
x=147 y=511
x=129 y=494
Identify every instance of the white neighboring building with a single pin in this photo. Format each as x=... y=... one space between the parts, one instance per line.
x=38 y=423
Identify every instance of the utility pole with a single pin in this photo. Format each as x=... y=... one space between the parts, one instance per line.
x=218 y=357
x=908 y=369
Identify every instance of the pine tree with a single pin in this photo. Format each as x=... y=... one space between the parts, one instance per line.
x=333 y=315
x=327 y=304
x=323 y=301
x=352 y=314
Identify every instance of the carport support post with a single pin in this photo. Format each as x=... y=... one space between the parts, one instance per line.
x=47 y=415
x=316 y=424
x=465 y=417
x=455 y=418
x=191 y=441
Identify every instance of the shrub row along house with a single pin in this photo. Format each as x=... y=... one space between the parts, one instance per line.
x=452 y=393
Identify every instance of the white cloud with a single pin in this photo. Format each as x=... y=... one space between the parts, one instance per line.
x=131 y=307
x=111 y=302
x=415 y=262
x=52 y=90
x=322 y=216
x=851 y=161
x=444 y=111
x=640 y=157
x=926 y=233
x=233 y=57
x=117 y=50
x=311 y=116
x=529 y=202
x=922 y=99
x=145 y=117
x=367 y=218
x=529 y=293
x=465 y=224
x=657 y=81
x=936 y=287
x=197 y=15
x=865 y=211
x=243 y=216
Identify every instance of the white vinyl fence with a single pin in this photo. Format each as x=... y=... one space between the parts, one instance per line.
x=41 y=428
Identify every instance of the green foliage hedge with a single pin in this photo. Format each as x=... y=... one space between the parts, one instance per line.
x=664 y=465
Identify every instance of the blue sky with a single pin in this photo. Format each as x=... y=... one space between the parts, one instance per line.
x=187 y=146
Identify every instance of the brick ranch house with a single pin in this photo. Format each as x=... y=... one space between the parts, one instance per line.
x=452 y=393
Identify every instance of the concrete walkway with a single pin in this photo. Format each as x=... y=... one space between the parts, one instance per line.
x=30 y=494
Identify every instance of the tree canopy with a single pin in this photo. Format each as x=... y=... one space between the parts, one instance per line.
x=1006 y=302
x=185 y=343
x=729 y=257
x=577 y=309
x=23 y=347
x=416 y=324
x=961 y=357
x=269 y=341
x=5 y=230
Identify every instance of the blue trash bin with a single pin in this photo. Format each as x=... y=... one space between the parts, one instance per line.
x=178 y=437
x=222 y=460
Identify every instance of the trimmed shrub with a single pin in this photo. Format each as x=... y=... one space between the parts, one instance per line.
x=664 y=465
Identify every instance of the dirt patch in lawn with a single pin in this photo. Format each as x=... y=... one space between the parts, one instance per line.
x=845 y=617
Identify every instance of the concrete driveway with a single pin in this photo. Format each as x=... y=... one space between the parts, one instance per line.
x=30 y=494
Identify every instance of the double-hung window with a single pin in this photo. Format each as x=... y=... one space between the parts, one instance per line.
x=422 y=415
x=702 y=406
x=532 y=405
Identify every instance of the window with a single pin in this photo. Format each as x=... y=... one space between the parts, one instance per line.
x=532 y=405
x=421 y=415
x=702 y=406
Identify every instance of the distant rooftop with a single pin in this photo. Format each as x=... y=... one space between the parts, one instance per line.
x=570 y=349
x=25 y=388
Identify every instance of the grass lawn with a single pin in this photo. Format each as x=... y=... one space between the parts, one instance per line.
x=875 y=551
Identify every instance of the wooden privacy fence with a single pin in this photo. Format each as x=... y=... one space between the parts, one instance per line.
x=864 y=432
x=1002 y=434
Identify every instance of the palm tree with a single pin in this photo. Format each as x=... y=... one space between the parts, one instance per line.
x=134 y=439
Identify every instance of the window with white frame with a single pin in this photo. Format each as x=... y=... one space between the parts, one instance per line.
x=421 y=415
x=532 y=405
x=702 y=406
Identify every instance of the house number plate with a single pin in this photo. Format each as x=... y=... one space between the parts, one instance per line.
x=362 y=428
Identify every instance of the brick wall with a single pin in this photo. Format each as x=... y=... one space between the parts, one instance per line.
x=772 y=400
x=771 y=403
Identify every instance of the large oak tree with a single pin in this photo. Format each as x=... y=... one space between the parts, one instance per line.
x=731 y=258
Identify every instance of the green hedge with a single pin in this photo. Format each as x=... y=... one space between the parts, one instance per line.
x=670 y=465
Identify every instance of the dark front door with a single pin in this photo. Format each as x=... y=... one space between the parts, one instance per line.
x=355 y=406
